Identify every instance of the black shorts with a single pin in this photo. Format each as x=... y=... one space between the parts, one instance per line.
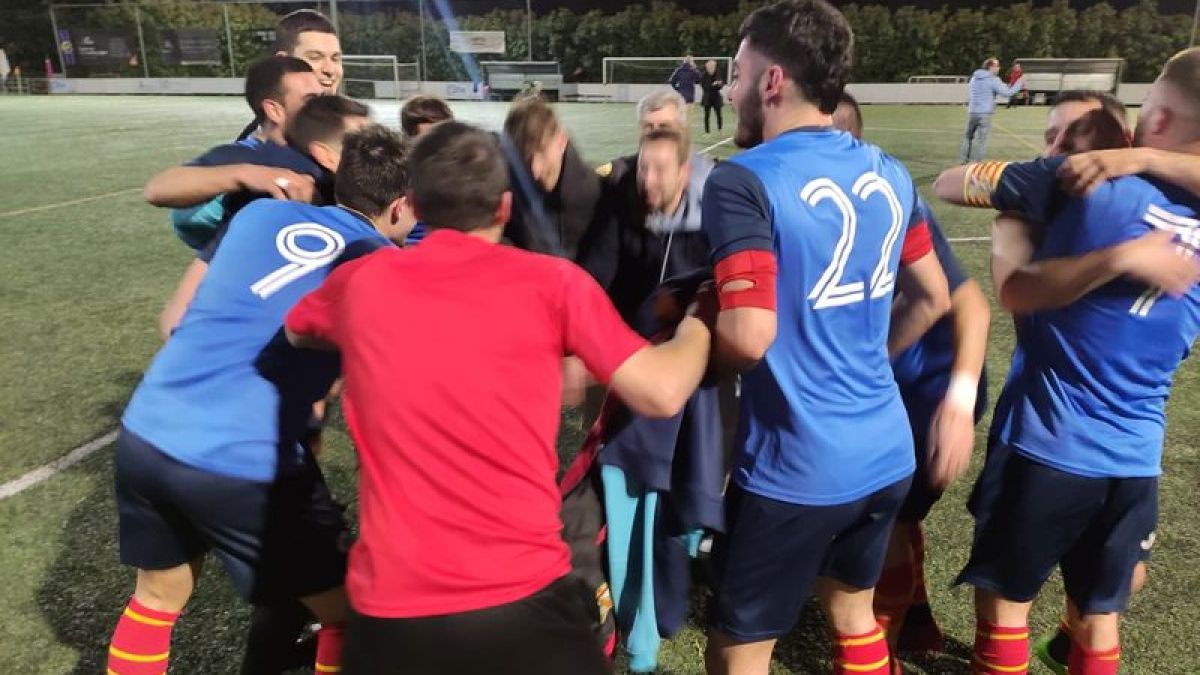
x=923 y=496
x=278 y=541
x=551 y=632
x=773 y=551
x=1030 y=517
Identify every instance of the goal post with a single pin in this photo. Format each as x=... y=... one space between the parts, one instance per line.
x=379 y=76
x=655 y=69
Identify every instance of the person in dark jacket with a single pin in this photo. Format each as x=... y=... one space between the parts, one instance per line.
x=648 y=226
x=684 y=80
x=554 y=191
x=711 y=97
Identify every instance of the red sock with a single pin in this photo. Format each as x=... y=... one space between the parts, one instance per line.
x=1000 y=650
x=861 y=654
x=329 y=649
x=1085 y=661
x=893 y=595
x=141 y=643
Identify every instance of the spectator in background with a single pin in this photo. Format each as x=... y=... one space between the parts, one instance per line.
x=684 y=80
x=710 y=92
x=4 y=71
x=1015 y=75
x=419 y=113
x=984 y=88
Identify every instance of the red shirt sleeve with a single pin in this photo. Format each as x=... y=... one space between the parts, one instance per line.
x=316 y=313
x=592 y=328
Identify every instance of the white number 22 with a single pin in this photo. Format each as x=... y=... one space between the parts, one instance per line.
x=300 y=261
x=829 y=290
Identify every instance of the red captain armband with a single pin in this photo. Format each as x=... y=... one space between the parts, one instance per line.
x=917 y=244
x=758 y=269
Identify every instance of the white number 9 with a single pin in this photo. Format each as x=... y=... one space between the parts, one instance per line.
x=300 y=261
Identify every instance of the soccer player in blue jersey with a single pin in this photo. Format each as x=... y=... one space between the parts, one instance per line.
x=942 y=383
x=1071 y=479
x=812 y=233
x=209 y=455
x=277 y=87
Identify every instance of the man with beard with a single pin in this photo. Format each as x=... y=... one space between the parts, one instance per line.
x=812 y=233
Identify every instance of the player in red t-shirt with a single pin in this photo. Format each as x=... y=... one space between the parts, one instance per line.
x=452 y=354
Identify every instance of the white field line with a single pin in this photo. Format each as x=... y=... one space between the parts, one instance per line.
x=47 y=471
x=716 y=145
x=70 y=202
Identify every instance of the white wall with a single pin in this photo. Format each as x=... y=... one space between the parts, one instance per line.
x=951 y=94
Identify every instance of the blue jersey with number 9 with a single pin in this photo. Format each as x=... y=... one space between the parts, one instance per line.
x=822 y=421
x=210 y=398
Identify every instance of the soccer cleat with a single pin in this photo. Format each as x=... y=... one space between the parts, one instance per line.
x=920 y=632
x=1044 y=651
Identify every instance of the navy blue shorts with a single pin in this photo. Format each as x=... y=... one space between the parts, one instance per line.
x=1030 y=517
x=278 y=541
x=772 y=553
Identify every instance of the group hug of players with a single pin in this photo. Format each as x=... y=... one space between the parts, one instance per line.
x=435 y=273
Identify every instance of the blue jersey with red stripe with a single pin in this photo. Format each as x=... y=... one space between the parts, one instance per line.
x=1090 y=391
x=821 y=421
x=213 y=398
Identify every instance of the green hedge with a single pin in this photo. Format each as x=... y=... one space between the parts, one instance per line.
x=892 y=44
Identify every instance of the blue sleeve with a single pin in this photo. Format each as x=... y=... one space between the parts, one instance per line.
x=1110 y=214
x=954 y=272
x=223 y=155
x=736 y=213
x=1031 y=189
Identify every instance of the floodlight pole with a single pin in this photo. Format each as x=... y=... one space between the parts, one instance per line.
x=333 y=16
x=1195 y=21
x=62 y=60
x=137 y=16
x=529 y=27
x=424 y=64
x=229 y=41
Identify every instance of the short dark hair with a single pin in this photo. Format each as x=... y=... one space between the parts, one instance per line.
x=374 y=170
x=458 y=177
x=423 y=109
x=677 y=136
x=322 y=120
x=1096 y=130
x=530 y=122
x=811 y=41
x=289 y=28
x=848 y=116
x=264 y=80
x=1105 y=99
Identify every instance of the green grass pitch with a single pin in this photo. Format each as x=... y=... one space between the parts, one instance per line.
x=85 y=266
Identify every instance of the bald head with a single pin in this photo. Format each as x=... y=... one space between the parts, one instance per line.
x=1170 y=116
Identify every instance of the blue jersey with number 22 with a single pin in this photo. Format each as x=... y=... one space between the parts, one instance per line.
x=822 y=421
x=208 y=399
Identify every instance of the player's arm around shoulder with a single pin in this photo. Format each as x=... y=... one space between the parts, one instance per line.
x=737 y=221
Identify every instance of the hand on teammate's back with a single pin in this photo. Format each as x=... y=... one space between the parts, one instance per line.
x=276 y=182
x=1158 y=261
x=1085 y=171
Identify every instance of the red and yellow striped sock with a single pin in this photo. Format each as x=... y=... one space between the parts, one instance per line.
x=1000 y=650
x=141 y=643
x=329 y=649
x=861 y=654
x=1086 y=661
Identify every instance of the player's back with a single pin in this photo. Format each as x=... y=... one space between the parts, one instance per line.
x=204 y=400
x=826 y=421
x=1090 y=398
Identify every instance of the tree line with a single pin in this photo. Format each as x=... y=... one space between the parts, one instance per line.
x=892 y=44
